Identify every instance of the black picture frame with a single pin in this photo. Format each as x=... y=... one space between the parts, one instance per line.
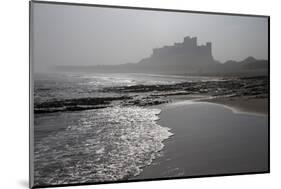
x=31 y=126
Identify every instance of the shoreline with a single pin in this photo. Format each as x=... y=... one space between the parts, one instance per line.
x=184 y=153
x=242 y=105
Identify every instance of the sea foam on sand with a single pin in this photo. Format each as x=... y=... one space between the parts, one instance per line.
x=102 y=145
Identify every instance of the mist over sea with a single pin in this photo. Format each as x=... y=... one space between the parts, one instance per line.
x=116 y=97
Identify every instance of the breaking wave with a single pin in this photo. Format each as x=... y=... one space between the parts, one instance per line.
x=102 y=145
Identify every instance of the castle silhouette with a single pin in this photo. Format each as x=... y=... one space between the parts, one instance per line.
x=187 y=53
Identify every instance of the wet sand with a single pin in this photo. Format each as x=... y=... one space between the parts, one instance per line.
x=210 y=139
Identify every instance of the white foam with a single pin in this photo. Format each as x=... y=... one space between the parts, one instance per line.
x=105 y=145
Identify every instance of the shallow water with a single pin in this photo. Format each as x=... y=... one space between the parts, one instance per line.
x=66 y=86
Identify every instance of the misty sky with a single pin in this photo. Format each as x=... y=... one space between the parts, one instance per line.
x=78 y=35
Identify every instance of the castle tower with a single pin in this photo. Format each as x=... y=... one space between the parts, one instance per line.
x=209 y=45
x=186 y=39
x=209 y=48
x=194 y=41
x=191 y=41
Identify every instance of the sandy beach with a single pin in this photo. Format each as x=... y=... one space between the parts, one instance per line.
x=211 y=138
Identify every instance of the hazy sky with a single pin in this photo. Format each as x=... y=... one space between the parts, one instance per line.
x=78 y=35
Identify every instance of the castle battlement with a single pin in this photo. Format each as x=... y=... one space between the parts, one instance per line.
x=189 y=45
x=185 y=51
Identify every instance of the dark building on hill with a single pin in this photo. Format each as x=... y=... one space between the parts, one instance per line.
x=187 y=54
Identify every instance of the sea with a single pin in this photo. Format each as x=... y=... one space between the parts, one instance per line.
x=97 y=145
